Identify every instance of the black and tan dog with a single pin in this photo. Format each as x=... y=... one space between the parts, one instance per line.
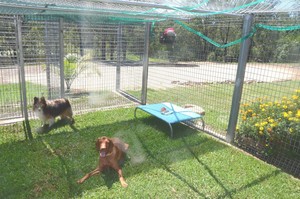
x=48 y=110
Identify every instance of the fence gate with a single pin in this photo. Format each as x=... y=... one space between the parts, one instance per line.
x=132 y=40
x=10 y=93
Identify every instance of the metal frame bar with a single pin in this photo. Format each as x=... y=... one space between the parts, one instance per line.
x=90 y=12
x=119 y=52
x=238 y=88
x=145 y=63
x=26 y=124
x=48 y=59
x=61 y=57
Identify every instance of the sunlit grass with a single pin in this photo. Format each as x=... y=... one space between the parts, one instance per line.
x=191 y=165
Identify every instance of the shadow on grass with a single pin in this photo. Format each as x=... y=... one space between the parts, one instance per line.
x=64 y=157
x=229 y=193
x=211 y=173
x=58 y=124
x=168 y=169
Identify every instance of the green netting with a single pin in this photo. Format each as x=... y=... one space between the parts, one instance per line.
x=276 y=28
x=151 y=11
x=154 y=10
x=254 y=29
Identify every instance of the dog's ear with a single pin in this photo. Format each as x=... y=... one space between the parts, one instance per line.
x=43 y=100
x=35 y=100
x=98 y=144
x=110 y=144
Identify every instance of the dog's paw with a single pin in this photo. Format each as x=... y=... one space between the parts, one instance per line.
x=42 y=129
x=72 y=122
x=79 y=181
x=124 y=184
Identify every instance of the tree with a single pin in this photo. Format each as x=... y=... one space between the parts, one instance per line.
x=73 y=65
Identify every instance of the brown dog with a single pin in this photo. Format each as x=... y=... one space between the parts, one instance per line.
x=48 y=110
x=111 y=152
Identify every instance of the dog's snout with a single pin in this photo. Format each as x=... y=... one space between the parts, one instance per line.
x=102 y=145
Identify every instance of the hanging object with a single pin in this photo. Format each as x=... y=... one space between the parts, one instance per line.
x=168 y=36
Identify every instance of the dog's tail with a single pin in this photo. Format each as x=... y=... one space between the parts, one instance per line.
x=67 y=102
x=69 y=110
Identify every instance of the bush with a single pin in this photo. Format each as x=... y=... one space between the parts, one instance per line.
x=269 y=123
x=73 y=65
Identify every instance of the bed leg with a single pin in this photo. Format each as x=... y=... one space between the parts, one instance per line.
x=203 y=123
x=171 y=130
x=135 y=111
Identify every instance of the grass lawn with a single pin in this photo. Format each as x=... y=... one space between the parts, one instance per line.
x=11 y=92
x=191 y=165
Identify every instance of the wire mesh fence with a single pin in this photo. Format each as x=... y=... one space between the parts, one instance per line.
x=103 y=64
x=101 y=60
x=9 y=69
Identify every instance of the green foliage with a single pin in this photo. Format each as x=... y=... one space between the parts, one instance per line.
x=73 y=66
x=288 y=47
x=271 y=123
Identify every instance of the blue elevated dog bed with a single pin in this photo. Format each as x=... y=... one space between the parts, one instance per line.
x=170 y=113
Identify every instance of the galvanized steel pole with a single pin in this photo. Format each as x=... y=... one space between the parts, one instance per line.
x=145 y=63
x=119 y=51
x=22 y=78
x=237 y=94
x=61 y=57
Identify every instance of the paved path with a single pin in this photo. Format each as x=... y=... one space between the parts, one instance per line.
x=102 y=76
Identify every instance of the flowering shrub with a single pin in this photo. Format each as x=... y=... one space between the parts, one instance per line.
x=269 y=123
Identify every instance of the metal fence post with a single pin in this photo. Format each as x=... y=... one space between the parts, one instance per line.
x=48 y=59
x=239 y=81
x=145 y=63
x=26 y=124
x=119 y=51
x=61 y=57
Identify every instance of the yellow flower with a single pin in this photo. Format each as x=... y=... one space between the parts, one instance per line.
x=260 y=132
x=253 y=114
x=271 y=120
x=298 y=113
x=261 y=106
x=285 y=114
x=261 y=128
x=295 y=97
x=284 y=106
x=246 y=104
x=291 y=130
x=274 y=124
x=278 y=104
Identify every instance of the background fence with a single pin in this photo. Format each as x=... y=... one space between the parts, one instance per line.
x=104 y=61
